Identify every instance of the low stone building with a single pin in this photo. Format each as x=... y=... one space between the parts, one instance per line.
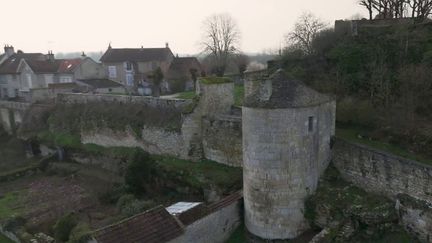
x=100 y=86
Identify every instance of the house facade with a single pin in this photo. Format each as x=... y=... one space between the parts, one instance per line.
x=133 y=66
x=22 y=73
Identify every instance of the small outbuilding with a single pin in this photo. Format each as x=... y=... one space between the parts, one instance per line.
x=101 y=86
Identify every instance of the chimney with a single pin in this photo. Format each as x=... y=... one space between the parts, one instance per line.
x=83 y=55
x=50 y=56
x=166 y=45
x=9 y=50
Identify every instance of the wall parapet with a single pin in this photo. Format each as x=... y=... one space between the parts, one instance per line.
x=68 y=98
x=14 y=105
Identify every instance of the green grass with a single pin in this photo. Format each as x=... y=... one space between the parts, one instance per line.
x=60 y=139
x=11 y=204
x=215 y=80
x=238 y=94
x=188 y=95
x=353 y=135
x=4 y=239
x=238 y=236
x=203 y=173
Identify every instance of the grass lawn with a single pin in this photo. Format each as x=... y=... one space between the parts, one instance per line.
x=11 y=204
x=188 y=95
x=238 y=95
x=203 y=172
x=352 y=134
x=4 y=239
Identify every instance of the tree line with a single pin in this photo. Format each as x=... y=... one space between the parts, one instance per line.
x=391 y=9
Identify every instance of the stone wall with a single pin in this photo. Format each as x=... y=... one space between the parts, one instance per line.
x=216 y=99
x=216 y=227
x=152 y=140
x=416 y=217
x=383 y=173
x=11 y=114
x=222 y=140
x=144 y=100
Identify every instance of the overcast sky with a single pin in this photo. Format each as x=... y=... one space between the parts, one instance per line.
x=89 y=25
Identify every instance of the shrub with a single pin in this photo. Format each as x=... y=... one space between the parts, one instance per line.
x=80 y=234
x=111 y=195
x=140 y=171
x=135 y=207
x=64 y=226
x=124 y=200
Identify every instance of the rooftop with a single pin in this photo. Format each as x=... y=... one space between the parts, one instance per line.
x=10 y=65
x=136 y=54
x=181 y=207
x=153 y=226
x=100 y=83
x=285 y=92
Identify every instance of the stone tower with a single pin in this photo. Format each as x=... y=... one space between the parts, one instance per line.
x=286 y=146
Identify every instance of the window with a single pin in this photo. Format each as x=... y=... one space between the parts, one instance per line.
x=154 y=65
x=311 y=124
x=112 y=71
x=65 y=80
x=28 y=81
x=16 y=92
x=109 y=90
x=128 y=66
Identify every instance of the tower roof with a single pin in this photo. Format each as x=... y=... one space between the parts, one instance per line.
x=282 y=91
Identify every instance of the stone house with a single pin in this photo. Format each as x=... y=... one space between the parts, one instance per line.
x=179 y=76
x=10 y=76
x=133 y=66
x=21 y=74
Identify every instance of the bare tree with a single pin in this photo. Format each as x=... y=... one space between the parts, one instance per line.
x=368 y=4
x=221 y=39
x=388 y=9
x=305 y=30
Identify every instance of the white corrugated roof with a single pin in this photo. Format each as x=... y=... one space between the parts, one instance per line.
x=181 y=207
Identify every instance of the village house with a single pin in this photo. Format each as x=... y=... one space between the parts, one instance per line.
x=133 y=66
x=181 y=71
x=21 y=73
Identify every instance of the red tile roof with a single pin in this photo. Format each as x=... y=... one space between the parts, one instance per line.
x=69 y=65
x=153 y=226
x=136 y=55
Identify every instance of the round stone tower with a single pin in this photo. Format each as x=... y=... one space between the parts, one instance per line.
x=286 y=146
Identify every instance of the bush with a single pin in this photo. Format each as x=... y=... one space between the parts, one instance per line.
x=80 y=234
x=351 y=111
x=124 y=200
x=111 y=195
x=135 y=207
x=64 y=226
x=140 y=171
